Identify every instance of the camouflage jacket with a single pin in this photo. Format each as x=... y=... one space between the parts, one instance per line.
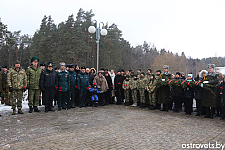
x=1 y=80
x=17 y=79
x=142 y=84
x=151 y=86
x=148 y=76
x=126 y=84
x=133 y=84
x=33 y=77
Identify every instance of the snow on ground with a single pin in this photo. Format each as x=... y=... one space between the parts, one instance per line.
x=6 y=109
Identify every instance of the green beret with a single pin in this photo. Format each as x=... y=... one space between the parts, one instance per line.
x=35 y=58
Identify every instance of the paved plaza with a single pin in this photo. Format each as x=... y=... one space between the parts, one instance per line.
x=108 y=127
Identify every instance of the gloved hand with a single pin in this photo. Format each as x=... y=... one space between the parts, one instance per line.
x=101 y=92
x=205 y=81
x=163 y=79
x=10 y=89
x=24 y=88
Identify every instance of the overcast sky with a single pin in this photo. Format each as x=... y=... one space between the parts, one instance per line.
x=195 y=27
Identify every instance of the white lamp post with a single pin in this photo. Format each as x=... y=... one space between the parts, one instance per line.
x=103 y=31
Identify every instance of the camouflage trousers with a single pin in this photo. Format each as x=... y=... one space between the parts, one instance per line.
x=33 y=98
x=151 y=97
x=127 y=96
x=5 y=97
x=142 y=96
x=16 y=95
x=134 y=95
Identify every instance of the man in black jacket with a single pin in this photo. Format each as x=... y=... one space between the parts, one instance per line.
x=48 y=85
x=118 y=82
x=108 y=92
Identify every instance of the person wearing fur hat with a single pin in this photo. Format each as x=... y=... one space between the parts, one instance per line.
x=102 y=85
x=64 y=86
x=164 y=91
x=82 y=86
x=210 y=98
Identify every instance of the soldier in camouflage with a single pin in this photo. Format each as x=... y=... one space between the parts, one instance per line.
x=33 y=76
x=133 y=87
x=126 y=87
x=17 y=82
x=141 y=88
x=151 y=92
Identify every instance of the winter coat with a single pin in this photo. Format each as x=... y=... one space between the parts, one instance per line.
x=113 y=78
x=189 y=93
x=17 y=79
x=118 y=82
x=126 y=84
x=73 y=79
x=82 y=81
x=209 y=98
x=198 y=90
x=177 y=91
x=133 y=84
x=49 y=79
x=164 y=91
x=1 y=80
x=63 y=80
x=109 y=81
x=91 y=77
x=101 y=82
x=151 y=86
x=33 y=77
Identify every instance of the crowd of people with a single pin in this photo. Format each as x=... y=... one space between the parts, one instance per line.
x=72 y=86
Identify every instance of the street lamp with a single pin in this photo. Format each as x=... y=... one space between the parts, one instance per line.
x=103 y=31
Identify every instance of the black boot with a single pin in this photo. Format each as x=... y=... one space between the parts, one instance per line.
x=46 y=108
x=36 y=109
x=30 y=109
x=212 y=112
x=207 y=112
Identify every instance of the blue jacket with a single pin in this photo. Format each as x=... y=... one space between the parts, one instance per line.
x=94 y=91
x=82 y=81
x=64 y=80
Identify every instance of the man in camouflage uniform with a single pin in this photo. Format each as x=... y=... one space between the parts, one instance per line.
x=151 y=91
x=17 y=82
x=33 y=77
x=141 y=88
x=133 y=88
x=5 y=92
x=149 y=74
x=126 y=88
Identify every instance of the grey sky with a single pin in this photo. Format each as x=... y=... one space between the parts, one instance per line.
x=195 y=27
